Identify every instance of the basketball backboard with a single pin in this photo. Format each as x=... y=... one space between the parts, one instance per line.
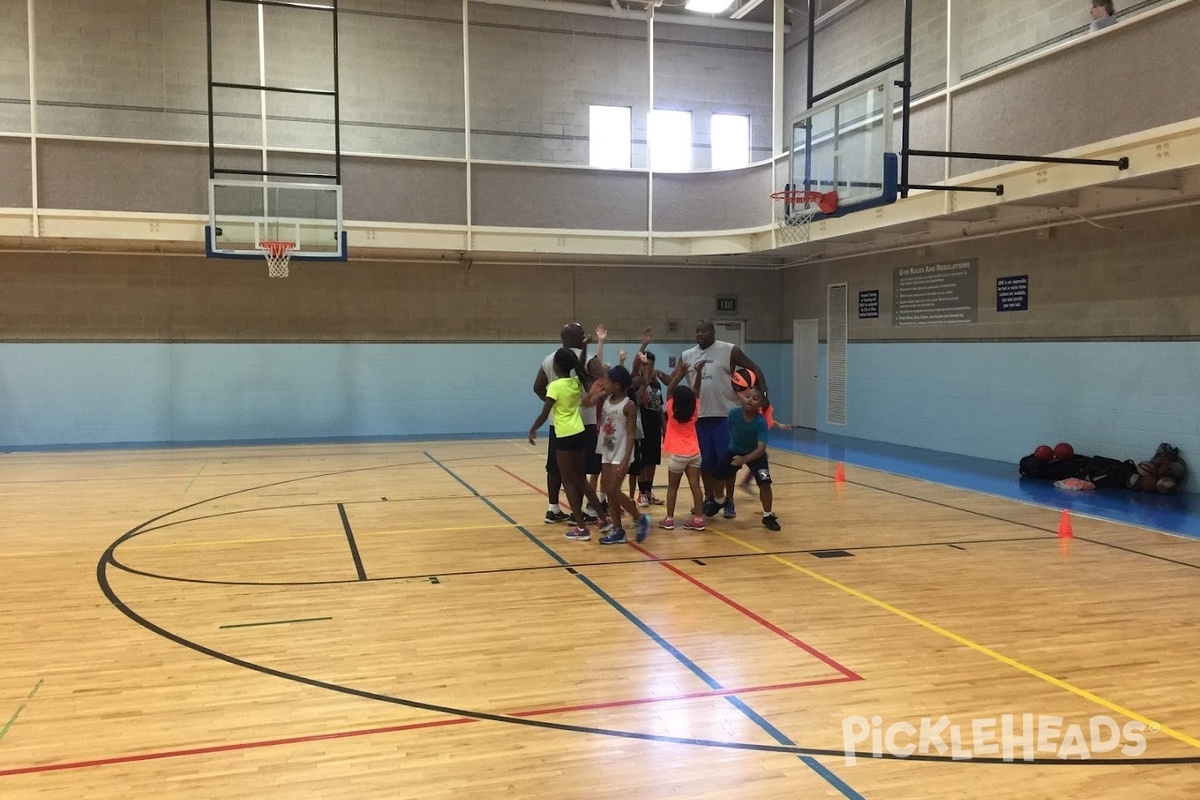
x=844 y=145
x=242 y=214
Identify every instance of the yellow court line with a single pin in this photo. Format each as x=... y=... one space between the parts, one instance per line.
x=987 y=651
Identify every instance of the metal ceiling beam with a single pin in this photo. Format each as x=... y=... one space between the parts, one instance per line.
x=697 y=20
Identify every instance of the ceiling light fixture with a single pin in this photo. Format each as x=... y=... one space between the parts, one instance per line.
x=708 y=6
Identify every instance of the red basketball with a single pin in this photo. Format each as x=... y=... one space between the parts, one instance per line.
x=1063 y=450
x=1043 y=453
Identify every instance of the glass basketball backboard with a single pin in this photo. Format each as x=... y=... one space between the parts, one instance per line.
x=243 y=214
x=844 y=145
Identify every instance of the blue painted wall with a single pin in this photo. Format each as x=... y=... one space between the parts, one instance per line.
x=115 y=393
x=1000 y=400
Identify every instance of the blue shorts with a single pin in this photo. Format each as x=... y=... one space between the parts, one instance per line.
x=713 y=434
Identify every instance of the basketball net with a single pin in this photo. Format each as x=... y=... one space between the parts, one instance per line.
x=795 y=211
x=278 y=255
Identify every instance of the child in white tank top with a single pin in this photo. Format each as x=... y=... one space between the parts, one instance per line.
x=617 y=424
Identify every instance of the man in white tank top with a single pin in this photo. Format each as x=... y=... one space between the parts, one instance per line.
x=717 y=399
x=574 y=337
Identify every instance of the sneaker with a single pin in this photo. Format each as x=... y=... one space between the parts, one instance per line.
x=711 y=507
x=770 y=522
x=656 y=501
x=557 y=517
x=605 y=525
x=615 y=536
x=643 y=527
x=579 y=534
x=694 y=524
x=643 y=500
x=590 y=519
x=730 y=511
x=667 y=523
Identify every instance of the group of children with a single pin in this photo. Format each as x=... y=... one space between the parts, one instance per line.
x=636 y=422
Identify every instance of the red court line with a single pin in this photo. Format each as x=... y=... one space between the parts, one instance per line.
x=225 y=748
x=812 y=651
x=690 y=696
x=321 y=737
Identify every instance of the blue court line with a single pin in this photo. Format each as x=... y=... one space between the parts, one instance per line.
x=810 y=762
x=1177 y=514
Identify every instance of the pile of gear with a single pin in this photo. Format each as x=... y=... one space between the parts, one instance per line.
x=1164 y=473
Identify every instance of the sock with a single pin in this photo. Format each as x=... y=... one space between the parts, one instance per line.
x=553 y=507
x=719 y=500
x=768 y=514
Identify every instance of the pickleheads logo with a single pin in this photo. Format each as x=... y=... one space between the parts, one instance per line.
x=1010 y=737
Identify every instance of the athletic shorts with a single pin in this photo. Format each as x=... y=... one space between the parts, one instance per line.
x=591 y=459
x=635 y=463
x=758 y=467
x=652 y=443
x=576 y=441
x=713 y=434
x=678 y=464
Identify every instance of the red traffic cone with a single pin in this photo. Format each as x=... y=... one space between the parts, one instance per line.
x=1064 y=526
x=839 y=475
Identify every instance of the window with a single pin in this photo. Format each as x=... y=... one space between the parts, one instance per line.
x=730 y=138
x=670 y=141
x=609 y=137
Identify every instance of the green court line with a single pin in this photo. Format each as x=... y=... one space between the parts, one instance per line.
x=20 y=708
x=197 y=475
x=277 y=622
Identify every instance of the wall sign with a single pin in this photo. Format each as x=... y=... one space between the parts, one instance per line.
x=868 y=304
x=727 y=304
x=1012 y=293
x=936 y=294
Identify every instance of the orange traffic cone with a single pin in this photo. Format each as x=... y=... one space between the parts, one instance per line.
x=839 y=476
x=1064 y=526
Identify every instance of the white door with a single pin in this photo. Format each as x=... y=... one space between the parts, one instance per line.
x=732 y=330
x=804 y=370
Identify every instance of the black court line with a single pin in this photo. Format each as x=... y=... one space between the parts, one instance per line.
x=358 y=565
x=546 y=567
x=276 y=622
x=995 y=518
x=286 y=506
x=106 y=560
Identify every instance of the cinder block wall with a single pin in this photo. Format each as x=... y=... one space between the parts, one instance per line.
x=1104 y=358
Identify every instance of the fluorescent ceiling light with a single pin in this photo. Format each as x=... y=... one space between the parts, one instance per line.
x=708 y=6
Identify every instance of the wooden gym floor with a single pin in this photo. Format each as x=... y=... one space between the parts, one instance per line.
x=396 y=620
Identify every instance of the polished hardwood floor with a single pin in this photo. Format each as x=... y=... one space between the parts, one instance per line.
x=396 y=621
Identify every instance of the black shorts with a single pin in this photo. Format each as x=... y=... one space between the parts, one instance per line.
x=637 y=459
x=585 y=441
x=576 y=441
x=591 y=459
x=652 y=444
x=758 y=467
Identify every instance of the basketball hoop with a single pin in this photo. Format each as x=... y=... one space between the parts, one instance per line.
x=795 y=210
x=278 y=255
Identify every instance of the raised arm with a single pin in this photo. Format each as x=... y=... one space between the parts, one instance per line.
x=677 y=374
x=596 y=365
